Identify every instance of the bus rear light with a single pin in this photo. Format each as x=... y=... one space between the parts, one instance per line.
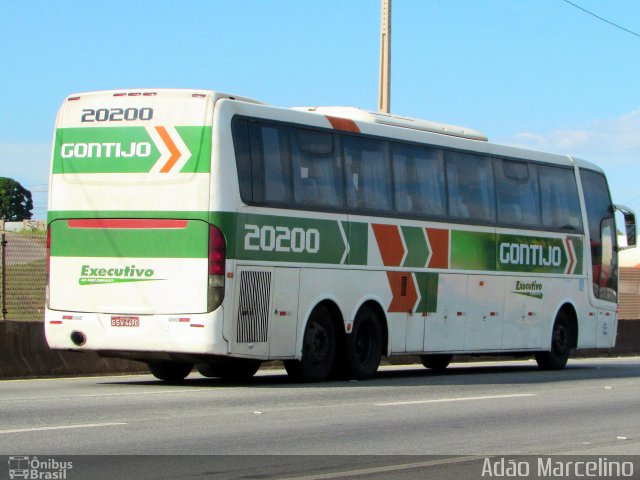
x=72 y=99
x=217 y=258
x=47 y=268
x=134 y=94
x=217 y=251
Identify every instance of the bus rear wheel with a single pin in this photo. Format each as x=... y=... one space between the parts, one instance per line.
x=170 y=371
x=438 y=361
x=318 y=349
x=556 y=358
x=364 y=345
x=229 y=368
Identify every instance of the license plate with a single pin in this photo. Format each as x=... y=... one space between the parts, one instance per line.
x=125 y=321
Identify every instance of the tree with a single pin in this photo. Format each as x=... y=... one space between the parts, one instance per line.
x=15 y=201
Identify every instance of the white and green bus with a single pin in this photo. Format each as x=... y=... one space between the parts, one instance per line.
x=199 y=228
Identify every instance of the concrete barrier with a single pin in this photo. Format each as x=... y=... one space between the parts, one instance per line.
x=12 y=360
x=24 y=353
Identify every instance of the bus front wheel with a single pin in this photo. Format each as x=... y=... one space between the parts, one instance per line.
x=556 y=358
x=170 y=371
x=318 y=349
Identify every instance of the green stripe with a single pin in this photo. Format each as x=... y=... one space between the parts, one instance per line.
x=358 y=242
x=473 y=250
x=417 y=247
x=428 y=288
x=287 y=239
x=519 y=253
x=273 y=238
x=189 y=242
x=151 y=214
x=124 y=150
x=198 y=141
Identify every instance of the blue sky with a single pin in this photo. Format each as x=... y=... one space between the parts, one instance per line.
x=534 y=73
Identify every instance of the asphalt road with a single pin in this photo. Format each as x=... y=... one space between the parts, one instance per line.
x=406 y=420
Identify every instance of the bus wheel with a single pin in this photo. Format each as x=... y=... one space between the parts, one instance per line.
x=364 y=345
x=557 y=357
x=170 y=371
x=318 y=349
x=438 y=361
x=229 y=368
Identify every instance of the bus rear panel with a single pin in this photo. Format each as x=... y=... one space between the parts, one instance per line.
x=134 y=264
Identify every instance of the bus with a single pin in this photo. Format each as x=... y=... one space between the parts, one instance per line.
x=197 y=228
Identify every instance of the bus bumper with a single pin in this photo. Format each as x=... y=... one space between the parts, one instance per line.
x=137 y=336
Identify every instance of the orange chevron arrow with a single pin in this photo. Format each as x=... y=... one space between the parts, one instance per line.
x=390 y=244
x=403 y=289
x=572 y=260
x=175 y=153
x=439 y=243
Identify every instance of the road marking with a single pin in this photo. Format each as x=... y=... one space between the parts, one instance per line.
x=62 y=427
x=98 y=395
x=460 y=399
x=386 y=469
x=126 y=394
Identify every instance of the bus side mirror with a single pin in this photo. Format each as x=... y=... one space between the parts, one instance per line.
x=630 y=227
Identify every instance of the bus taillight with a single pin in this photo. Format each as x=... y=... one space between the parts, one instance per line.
x=47 y=265
x=217 y=257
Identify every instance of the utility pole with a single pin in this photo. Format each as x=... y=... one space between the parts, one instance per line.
x=384 y=90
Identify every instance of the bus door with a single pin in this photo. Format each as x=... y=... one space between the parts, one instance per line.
x=606 y=285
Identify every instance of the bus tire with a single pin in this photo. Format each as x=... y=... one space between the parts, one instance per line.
x=318 y=349
x=230 y=368
x=556 y=358
x=170 y=371
x=364 y=345
x=438 y=361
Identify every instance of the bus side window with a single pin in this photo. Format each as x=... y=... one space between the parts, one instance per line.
x=317 y=174
x=560 y=204
x=368 y=174
x=602 y=234
x=419 y=180
x=518 y=193
x=243 y=158
x=470 y=187
x=608 y=281
x=271 y=165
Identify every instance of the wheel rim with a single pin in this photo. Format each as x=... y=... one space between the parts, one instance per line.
x=560 y=339
x=317 y=345
x=365 y=338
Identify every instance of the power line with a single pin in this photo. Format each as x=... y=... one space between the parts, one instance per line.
x=602 y=19
x=633 y=199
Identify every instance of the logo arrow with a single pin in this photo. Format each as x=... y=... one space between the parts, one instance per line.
x=174 y=154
